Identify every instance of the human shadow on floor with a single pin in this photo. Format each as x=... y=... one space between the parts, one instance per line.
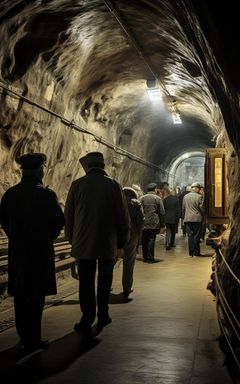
x=44 y=363
x=119 y=298
x=206 y=255
x=158 y=260
x=67 y=302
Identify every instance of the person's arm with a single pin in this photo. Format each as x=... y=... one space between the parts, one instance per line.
x=69 y=215
x=161 y=214
x=3 y=214
x=56 y=219
x=202 y=206
x=139 y=218
x=183 y=208
x=178 y=211
x=122 y=217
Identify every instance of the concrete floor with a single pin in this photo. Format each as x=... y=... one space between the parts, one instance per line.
x=166 y=333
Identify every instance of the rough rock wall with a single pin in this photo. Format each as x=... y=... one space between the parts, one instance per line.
x=226 y=267
x=27 y=128
x=55 y=57
x=73 y=58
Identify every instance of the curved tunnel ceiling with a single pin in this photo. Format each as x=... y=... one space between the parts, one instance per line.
x=89 y=61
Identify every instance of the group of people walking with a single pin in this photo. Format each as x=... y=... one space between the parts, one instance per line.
x=100 y=219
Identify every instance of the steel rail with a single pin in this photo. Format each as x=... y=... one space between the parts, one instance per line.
x=225 y=306
x=228 y=267
x=61 y=250
x=227 y=319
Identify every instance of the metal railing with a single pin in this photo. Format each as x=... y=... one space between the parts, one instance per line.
x=227 y=315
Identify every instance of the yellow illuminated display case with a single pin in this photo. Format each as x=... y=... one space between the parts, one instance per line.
x=216 y=188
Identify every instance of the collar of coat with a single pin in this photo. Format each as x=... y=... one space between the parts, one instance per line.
x=96 y=170
x=31 y=180
x=151 y=193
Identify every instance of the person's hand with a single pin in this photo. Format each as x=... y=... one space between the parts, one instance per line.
x=162 y=230
x=120 y=253
x=74 y=272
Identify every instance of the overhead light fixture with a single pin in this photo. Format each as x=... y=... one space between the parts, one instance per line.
x=176 y=118
x=154 y=94
x=153 y=91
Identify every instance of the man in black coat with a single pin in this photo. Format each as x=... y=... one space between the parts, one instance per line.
x=172 y=214
x=32 y=219
x=97 y=225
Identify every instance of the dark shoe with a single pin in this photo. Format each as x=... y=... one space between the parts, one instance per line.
x=126 y=293
x=191 y=254
x=44 y=343
x=145 y=261
x=20 y=344
x=83 y=329
x=173 y=245
x=103 y=322
x=26 y=351
x=168 y=248
x=153 y=261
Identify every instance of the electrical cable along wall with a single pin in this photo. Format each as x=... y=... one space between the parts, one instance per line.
x=72 y=125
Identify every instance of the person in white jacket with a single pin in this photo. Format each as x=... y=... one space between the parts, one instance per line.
x=97 y=225
x=193 y=212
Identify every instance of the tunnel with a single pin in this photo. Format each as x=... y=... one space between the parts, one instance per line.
x=150 y=84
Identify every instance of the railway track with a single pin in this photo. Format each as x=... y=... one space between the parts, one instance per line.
x=7 y=318
x=61 y=248
x=67 y=286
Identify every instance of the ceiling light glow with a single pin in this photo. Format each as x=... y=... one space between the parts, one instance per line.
x=154 y=94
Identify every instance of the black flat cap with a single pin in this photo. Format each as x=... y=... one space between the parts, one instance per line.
x=151 y=186
x=91 y=158
x=32 y=160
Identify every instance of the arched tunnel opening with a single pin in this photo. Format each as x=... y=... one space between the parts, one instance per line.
x=76 y=77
